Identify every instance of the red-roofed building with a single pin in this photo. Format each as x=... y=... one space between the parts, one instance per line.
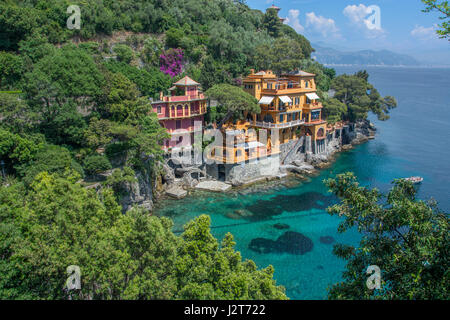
x=179 y=111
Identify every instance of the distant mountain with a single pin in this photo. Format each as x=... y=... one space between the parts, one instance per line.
x=364 y=57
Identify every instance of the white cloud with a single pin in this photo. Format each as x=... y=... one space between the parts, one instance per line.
x=294 y=21
x=367 y=18
x=324 y=26
x=423 y=33
x=357 y=14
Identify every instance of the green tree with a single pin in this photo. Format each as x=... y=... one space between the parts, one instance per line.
x=235 y=100
x=272 y=22
x=58 y=223
x=221 y=274
x=96 y=164
x=360 y=97
x=51 y=159
x=124 y=53
x=11 y=70
x=68 y=74
x=283 y=55
x=443 y=8
x=16 y=115
x=407 y=239
x=334 y=110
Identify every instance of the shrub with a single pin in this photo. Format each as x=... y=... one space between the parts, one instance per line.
x=96 y=164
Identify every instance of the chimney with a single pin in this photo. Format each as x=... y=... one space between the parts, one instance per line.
x=161 y=95
x=252 y=71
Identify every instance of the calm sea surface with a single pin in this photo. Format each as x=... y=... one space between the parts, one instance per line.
x=415 y=141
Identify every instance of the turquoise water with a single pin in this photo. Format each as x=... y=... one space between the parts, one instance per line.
x=415 y=141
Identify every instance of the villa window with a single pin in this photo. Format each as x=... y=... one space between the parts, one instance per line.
x=158 y=109
x=178 y=124
x=281 y=117
x=306 y=84
x=315 y=115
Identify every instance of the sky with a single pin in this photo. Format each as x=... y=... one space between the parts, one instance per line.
x=346 y=25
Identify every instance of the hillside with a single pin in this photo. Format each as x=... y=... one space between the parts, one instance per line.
x=331 y=56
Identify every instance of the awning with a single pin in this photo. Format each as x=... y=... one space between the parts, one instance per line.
x=312 y=96
x=285 y=99
x=266 y=100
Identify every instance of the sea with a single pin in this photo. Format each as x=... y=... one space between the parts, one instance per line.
x=415 y=141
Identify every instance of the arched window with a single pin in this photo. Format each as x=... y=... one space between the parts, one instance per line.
x=320 y=132
x=179 y=110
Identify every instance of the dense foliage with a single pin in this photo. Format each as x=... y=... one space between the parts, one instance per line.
x=82 y=107
x=234 y=102
x=407 y=239
x=354 y=97
x=443 y=8
x=58 y=223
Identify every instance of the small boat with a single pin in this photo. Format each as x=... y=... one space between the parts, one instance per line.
x=414 y=180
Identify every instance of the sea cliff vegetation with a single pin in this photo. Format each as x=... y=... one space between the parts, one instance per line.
x=82 y=108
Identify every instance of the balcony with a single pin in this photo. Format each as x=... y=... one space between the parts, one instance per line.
x=270 y=125
x=238 y=155
x=314 y=122
x=178 y=114
x=184 y=130
x=314 y=105
x=187 y=98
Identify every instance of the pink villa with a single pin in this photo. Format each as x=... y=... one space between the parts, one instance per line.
x=178 y=112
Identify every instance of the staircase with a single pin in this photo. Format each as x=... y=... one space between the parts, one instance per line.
x=294 y=150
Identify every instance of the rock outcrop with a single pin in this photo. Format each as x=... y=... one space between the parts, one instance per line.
x=212 y=185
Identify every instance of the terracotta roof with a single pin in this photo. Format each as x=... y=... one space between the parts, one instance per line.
x=186 y=81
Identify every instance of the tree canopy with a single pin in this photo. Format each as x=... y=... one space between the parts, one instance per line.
x=360 y=97
x=58 y=223
x=234 y=100
x=443 y=8
x=408 y=239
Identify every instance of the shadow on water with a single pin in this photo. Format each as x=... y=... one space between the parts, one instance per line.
x=290 y=242
x=266 y=209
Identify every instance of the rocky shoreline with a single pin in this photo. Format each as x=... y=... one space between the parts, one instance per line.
x=178 y=181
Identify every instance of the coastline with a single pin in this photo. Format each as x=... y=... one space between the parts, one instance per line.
x=177 y=182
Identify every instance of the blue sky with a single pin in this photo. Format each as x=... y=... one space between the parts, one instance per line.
x=344 y=25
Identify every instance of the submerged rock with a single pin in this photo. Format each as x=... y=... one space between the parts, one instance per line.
x=295 y=243
x=281 y=226
x=326 y=240
x=290 y=242
x=232 y=215
x=243 y=213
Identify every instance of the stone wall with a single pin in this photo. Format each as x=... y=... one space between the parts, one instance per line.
x=252 y=171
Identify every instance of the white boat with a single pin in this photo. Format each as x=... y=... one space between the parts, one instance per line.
x=414 y=180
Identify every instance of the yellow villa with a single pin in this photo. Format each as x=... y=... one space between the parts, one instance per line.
x=290 y=109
